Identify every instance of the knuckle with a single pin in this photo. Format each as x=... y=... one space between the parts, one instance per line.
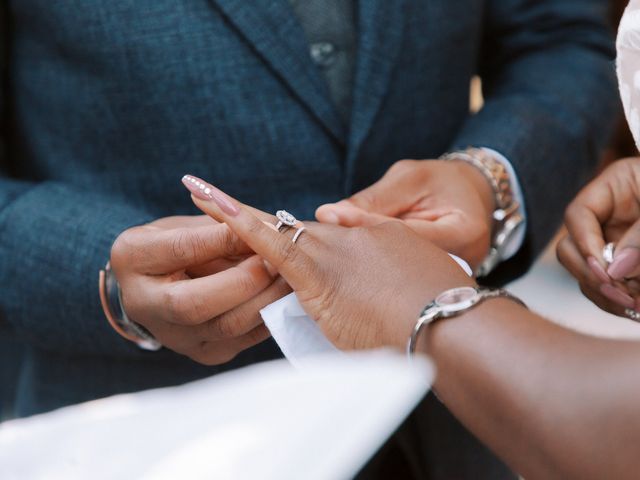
x=572 y=212
x=227 y=241
x=171 y=302
x=223 y=326
x=178 y=245
x=245 y=281
x=287 y=252
x=402 y=165
x=366 y=199
x=255 y=228
x=123 y=246
x=181 y=309
x=188 y=244
x=210 y=354
x=257 y=334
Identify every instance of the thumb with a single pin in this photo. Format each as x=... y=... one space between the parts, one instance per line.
x=390 y=196
x=348 y=215
x=626 y=262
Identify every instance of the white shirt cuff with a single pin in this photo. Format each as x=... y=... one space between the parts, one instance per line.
x=515 y=243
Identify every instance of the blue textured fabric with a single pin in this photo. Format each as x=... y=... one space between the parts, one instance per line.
x=112 y=102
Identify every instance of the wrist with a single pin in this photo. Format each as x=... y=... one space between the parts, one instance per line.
x=456 y=302
x=481 y=185
x=507 y=220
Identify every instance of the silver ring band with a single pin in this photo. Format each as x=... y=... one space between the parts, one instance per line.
x=298 y=233
x=632 y=314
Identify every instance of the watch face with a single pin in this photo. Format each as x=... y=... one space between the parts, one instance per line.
x=458 y=298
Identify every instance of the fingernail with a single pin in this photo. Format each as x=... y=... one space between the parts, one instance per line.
x=332 y=218
x=625 y=262
x=617 y=296
x=205 y=191
x=326 y=215
x=598 y=270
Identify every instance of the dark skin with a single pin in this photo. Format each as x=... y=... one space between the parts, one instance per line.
x=606 y=210
x=449 y=203
x=517 y=381
x=195 y=287
x=199 y=290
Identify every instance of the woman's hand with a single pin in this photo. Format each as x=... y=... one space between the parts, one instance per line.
x=606 y=210
x=365 y=286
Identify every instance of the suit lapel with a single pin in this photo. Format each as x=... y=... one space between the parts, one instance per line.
x=380 y=30
x=271 y=27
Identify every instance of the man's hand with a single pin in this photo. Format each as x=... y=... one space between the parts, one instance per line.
x=449 y=203
x=195 y=286
x=606 y=210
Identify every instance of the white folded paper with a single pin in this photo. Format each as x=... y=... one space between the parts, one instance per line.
x=268 y=421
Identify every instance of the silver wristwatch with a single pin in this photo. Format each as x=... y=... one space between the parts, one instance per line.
x=452 y=303
x=507 y=217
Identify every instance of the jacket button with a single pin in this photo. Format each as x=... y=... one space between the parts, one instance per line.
x=323 y=54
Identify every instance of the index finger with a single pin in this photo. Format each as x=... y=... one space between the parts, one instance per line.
x=153 y=251
x=292 y=263
x=584 y=219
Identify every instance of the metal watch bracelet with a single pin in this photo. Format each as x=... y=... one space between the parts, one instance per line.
x=111 y=300
x=461 y=300
x=507 y=217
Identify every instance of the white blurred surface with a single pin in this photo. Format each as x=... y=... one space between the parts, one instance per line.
x=268 y=421
x=550 y=291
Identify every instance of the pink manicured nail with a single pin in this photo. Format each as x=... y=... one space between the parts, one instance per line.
x=205 y=191
x=330 y=217
x=617 y=296
x=598 y=270
x=624 y=263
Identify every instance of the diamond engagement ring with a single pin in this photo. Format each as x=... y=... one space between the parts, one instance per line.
x=607 y=253
x=632 y=314
x=285 y=219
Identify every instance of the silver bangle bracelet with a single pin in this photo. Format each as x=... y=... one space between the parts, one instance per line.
x=111 y=297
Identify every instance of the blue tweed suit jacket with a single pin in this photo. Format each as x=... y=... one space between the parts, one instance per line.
x=108 y=104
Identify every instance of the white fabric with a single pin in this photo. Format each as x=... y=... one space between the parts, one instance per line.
x=298 y=335
x=268 y=421
x=514 y=243
x=628 y=66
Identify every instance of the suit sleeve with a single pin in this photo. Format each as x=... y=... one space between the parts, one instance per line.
x=54 y=239
x=550 y=100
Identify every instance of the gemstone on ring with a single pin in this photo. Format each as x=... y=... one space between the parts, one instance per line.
x=285 y=218
x=607 y=252
x=632 y=314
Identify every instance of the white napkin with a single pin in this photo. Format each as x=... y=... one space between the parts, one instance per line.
x=298 y=335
